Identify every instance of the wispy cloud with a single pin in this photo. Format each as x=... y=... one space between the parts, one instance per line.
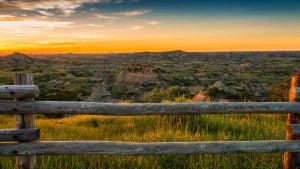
x=132 y=13
x=44 y=7
x=145 y=25
x=115 y=15
x=35 y=23
x=30 y=29
x=103 y=16
x=58 y=42
x=50 y=7
x=152 y=23
x=136 y=27
x=6 y=17
x=95 y=25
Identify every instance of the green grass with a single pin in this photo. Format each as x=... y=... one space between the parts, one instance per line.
x=5 y=77
x=158 y=128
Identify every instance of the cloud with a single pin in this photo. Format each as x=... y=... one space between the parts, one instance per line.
x=35 y=23
x=49 y=7
x=132 y=13
x=43 y=12
x=103 y=16
x=153 y=23
x=44 y=7
x=25 y=29
x=136 y=27
x=116 y=15
x=5 y=17
x=58 y=43
x=95 y=25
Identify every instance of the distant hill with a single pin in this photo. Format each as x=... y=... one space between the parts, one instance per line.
x=18 y=61
x=18 y=58
x=169 y=56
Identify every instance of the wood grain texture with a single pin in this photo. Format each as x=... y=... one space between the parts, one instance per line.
x=24 y=121
x=294 y=128
x=292 y=159
x=18 y=91
x=22 y=135
x=96 y=108
x=127 y=148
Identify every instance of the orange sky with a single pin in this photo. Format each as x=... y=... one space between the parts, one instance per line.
x=79 y=29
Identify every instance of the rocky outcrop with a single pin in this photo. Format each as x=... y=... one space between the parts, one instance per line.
x=138 y=75
x=200 y=97
x=238 y=92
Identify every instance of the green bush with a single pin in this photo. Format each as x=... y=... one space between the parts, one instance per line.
x=158 y=95
x=118 y=91
x=182 y=99
x=215 y=93
x=94 y=122
x=280 y=92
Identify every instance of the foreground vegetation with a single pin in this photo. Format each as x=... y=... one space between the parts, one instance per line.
x=158 y=128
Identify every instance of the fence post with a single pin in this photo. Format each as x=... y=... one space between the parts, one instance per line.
x=24 y=121
x=292 y=160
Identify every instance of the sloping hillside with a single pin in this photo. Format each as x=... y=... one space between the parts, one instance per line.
x=18 y=62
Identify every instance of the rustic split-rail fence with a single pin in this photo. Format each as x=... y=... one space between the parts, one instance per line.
x=24 y=142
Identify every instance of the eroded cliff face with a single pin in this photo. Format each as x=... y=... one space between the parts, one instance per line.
x=129 y=83
x=138 y=75
x=135 y=80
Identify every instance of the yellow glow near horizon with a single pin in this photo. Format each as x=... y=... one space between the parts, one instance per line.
x=116 y=47
x=52 y=36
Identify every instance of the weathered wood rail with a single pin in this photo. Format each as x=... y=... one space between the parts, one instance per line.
x=22 y=142
x=22 y=135
x=18 y=91
x=127 y=148
x=140 y=109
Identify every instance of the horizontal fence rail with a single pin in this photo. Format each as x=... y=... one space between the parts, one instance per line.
x=95 y=108
x=18 y=91
x=128 y=148
x=30 y=134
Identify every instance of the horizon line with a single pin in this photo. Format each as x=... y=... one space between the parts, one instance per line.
x=94 y=53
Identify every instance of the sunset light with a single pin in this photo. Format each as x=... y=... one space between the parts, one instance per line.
x=149 y=84
x=95 y=26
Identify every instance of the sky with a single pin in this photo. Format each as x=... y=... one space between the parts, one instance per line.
x=104 y=26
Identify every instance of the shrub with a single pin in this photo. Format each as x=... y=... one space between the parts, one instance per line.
x=182 y=98
x=280 y=92
x=94 y=122
x=158 y=95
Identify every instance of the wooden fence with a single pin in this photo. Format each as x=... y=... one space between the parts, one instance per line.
x=24 y=143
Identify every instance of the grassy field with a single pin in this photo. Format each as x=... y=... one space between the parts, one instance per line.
x=158 y=128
